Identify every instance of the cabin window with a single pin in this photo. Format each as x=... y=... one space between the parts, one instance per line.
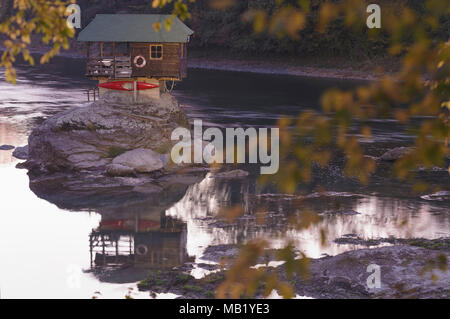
x=156 y=52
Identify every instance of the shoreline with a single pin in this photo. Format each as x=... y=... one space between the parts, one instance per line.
x=275 y=68
x=342 y=68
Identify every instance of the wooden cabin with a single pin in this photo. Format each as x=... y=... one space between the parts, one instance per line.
x=127 y=47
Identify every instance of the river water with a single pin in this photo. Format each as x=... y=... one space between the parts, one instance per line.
x=45 y=250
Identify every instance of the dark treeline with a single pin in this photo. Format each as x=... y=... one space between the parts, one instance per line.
x=225 y=29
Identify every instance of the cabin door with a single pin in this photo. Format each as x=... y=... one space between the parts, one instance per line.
x=140 y=60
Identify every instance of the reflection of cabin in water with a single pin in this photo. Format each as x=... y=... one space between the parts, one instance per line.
x=127 y=47
x=139 y=242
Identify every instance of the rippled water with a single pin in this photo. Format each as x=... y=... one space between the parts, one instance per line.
x=45 y=250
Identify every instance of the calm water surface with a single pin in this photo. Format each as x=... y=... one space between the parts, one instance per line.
x=50 y=252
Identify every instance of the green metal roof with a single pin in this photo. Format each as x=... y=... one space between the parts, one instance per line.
x=133 y=28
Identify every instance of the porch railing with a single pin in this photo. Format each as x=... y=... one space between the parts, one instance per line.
x=111 y=67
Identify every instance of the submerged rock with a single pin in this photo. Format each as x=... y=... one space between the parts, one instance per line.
x=6 y=147
x=343 y=212
x=238 y=173
x=331 y=194
x=438 y=196
x=89 y=137
x=119 y=170
x=271 y=197
x=434 y=244
x=395 y=153
x=219 y=252
x=21 y=152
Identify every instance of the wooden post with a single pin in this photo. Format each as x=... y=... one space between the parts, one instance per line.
x=117 y=250
x=135 y=91
x=136 y=223
x=91 y=248
x=87 y=91
x=131 y=248
x=103 y=250
x=101 y=49
x=114 y=59
x=94 y=94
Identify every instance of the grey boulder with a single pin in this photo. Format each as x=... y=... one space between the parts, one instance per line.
x=141 y=160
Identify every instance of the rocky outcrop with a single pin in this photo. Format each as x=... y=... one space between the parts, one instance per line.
x=109 y=154
x=91 y=136
x=404 y=272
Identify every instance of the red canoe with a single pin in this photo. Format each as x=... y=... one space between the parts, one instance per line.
x=127 y=85
x=128 y=224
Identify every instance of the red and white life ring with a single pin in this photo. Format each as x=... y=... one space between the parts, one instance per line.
x=142 y=250
x=138 y=64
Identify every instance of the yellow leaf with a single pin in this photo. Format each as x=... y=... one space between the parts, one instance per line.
x=286 y=291
x=157 y=26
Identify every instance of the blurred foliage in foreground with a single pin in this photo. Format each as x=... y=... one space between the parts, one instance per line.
x=412 y=30
x=416 y=31
x=44 y=18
